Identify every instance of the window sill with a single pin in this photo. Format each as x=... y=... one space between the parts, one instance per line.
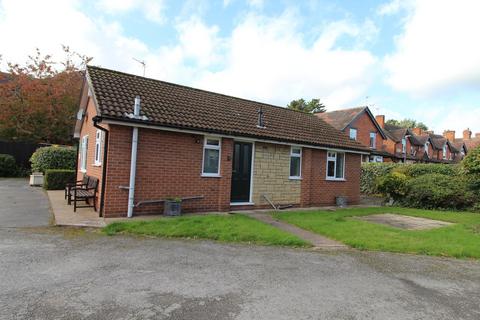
x=203 y=175
x=97 y=165
x=83 y=170
x=295 y=178
x=335 y=179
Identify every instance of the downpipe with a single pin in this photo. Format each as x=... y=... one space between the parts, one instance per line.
x=133 y=161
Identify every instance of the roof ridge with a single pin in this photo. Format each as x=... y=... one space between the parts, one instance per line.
x=197 y=89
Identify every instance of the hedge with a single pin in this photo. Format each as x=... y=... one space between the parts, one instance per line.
x=57 y=179
x=53 y=157
x=432 y=191
x=8 y=167
x=372 y=172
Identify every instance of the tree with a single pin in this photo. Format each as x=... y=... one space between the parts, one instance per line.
x=38 y=100
x=407 y=123
x=312 y=106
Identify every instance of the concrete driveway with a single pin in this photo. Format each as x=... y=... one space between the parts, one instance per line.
x=22 y=205
x=58 y=273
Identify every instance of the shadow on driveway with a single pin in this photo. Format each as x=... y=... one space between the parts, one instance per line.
x=22 y=205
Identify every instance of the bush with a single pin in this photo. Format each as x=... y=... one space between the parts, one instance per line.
x=8 y=167
x=435 y=190
x=57 y=179
x=419 y=169
x=53 y=158
x=393 y=185
x=371 y=172
x=471 y=162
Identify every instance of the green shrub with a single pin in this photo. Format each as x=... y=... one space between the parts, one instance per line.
x=471 y=162
x=393 y=185
x=419 y=169
x=57 y=179
x=435 y=190
x=53 y=158
x=8 y=167
x=371 y=172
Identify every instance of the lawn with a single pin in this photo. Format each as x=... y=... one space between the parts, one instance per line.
x=461 y=240
x=226 y=228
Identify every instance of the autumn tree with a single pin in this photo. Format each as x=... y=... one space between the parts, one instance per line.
x=38 y=100
x=312 y=106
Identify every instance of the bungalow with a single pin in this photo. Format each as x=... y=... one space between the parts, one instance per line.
x=148 y=140
x=360 y=125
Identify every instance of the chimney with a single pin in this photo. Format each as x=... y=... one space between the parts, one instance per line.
x=417 y=131
x=467 y=134
x=449 y=135
x=381 y=120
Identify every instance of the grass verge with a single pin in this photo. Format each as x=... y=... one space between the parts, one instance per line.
x=231 y=228
x=461 y=240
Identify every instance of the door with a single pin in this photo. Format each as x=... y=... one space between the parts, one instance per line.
x=241 y=172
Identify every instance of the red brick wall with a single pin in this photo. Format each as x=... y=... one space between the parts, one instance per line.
x=168 y=165
x=88 y=129
x=364 y=126
x=317 y=191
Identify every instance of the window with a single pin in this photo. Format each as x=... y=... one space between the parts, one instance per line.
x=373 y=139
x=426 y=146
x=444 y=151
x=211 y=157
x=83 y=154
x=335 y=165
x=295 y=163
x=98 y=147
x=412 y=150
x=353 y=134
x=404 y=145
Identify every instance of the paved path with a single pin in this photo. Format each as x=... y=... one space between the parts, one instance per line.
x=60 y=273
x=318 y=241
x=22 y=205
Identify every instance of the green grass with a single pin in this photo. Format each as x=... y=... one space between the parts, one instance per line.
x=461 y=240
x=225 y=228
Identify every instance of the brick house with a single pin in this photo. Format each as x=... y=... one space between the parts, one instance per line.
x=147 y=140
x=360 y=125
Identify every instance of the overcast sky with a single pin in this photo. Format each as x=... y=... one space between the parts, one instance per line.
x=417 y=59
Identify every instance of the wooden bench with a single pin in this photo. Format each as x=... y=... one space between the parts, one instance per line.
x=85 y=194
x=78 y=184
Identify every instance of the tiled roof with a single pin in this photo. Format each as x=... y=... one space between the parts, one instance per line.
x=340 y=118
x=176 y=106
x=471 y=143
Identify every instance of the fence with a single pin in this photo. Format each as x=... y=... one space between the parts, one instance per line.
x=21 y=151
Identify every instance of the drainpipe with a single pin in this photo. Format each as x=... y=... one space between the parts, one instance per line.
x=96 y=121
x=133 y=162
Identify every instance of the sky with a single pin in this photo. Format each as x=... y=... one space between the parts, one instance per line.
x=405 y=59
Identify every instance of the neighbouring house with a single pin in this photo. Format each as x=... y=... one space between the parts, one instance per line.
x=466 y=143
x=360 y=125
x=148 y=140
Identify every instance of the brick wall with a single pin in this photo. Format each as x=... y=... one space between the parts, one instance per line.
x=92 y=169
x=168 y=165
x=364 y=126
x=317 y=191
x=271 y=175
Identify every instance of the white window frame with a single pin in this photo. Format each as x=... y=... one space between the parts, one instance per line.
x=98 y=148
x=295 y=155
x=444 y=152
x=374 y=136
x=404 y=145
x=355 y=135
x=334 y=158
x=211 y=147
x=84 y=153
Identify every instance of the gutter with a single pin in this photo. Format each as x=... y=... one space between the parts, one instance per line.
x=96 y=121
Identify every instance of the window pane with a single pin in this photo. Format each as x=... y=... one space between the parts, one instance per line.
x=210 y=162
x=213 y=142
x=340 y=164
x=296 y=151
x=353 y=134
x=295 y=167
x=331 y=168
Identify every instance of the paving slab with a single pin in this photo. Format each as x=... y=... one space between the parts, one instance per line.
x=404 y=222
x=319 y=242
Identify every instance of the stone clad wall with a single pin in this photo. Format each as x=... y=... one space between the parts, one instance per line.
x=271 y=175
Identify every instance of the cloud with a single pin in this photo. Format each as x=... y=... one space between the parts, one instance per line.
x=437 y=51
x=394 y=7
x=151 y=9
